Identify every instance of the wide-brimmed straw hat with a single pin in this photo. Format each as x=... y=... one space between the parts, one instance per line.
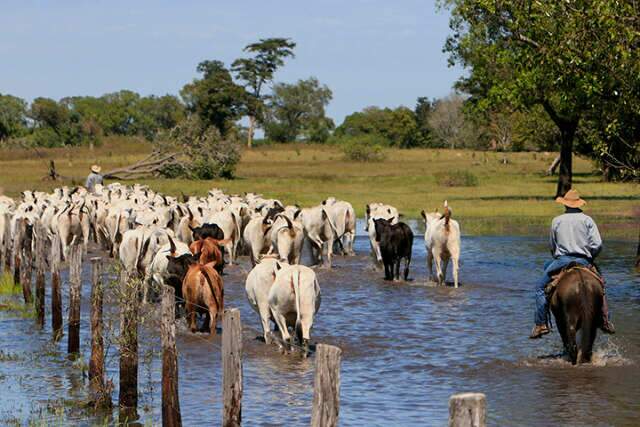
x=96 y=169
x=571 y=199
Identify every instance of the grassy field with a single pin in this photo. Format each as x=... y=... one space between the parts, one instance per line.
x=512 y=198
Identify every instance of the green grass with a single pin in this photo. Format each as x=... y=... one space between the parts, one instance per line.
x=511 y=198
x=7 y=287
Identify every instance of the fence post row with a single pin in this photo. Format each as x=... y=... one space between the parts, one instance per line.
x=231 y=368
x=56 y=292
x=128 y=396
x=75 y=286
x=41 y=267
x=468 y=410
x=171 y=416
x=326 y=389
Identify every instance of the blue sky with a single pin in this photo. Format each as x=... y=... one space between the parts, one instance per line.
x=369 y=52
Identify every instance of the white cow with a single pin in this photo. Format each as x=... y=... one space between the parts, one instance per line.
x=157 y=274
x=256 y=237
x=294 y=299
x=287 y=237
x=442 y=242
x=344 y=218
x=320 y=230
x=72 y=224
x=257 y=287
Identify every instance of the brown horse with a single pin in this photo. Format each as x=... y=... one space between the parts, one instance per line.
x=577 y=306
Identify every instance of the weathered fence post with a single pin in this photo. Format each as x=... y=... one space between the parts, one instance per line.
x=468 y=410
x=16 y=253
x=128 y=397
x=326 y=389
x=96 y=364
x=41 y=267
x=171 y=416
x=56 y=292
x=26 y=263
x=4 y=249
x=75 y=286
x=231 y=368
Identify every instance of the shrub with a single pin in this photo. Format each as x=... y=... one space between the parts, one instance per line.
x=366 y=148
x=456 y=178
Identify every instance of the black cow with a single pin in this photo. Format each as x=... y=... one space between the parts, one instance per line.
x=177 y=270
x=396 y=241
x=207 y=230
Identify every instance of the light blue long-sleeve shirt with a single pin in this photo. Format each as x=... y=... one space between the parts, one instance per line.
x=575 y=234
x=92 y=180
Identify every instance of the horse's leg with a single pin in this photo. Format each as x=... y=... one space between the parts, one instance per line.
x=571 y=346
x=589 y=331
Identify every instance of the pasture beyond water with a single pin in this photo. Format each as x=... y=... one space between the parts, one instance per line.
x=407 y=347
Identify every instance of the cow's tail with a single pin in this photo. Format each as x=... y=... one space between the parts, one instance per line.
x=206 y=271
x=142 y=251
x=447 y=216
x=296 y=291
x=333 y=228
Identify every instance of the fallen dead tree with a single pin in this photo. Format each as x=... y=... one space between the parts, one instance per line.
x=152 y=165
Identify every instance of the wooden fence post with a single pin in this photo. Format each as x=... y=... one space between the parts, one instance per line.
x=326 y=389
x=231 y=368
x=75 y=287
x=96 y=364
x=26 y=263
x=4 y=249
x=468 y=410
x=41 y=267
x=171 y=416
x=128 y=396
x=56 y=292
x=16 y=252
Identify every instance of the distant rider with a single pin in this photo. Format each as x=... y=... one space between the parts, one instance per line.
x=574 y=238
x=94 y=178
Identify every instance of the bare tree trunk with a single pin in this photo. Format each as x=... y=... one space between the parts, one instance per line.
x=554 y=166
x=565 y=173
x=252 y=127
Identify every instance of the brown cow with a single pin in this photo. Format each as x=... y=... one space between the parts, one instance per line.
x=203 y=292
x=209 y=250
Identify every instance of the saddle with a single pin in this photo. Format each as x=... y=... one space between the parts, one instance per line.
x=550 y=288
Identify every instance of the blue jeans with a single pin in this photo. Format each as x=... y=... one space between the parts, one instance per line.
x=551 y=267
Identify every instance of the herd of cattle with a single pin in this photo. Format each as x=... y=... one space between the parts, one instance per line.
x=186 y=244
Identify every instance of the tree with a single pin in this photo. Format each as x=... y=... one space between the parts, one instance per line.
x=447 y=121
x=258 y=71
x=569 y=57
x=13 y=112
x=395 y=127
x=298 y=110
x=215 y=98
x=422 y=111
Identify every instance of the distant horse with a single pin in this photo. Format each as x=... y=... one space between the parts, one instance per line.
x=576 y=304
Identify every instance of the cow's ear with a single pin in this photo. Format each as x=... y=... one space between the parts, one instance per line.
x=297 y=214
x=368 y=209
x=324 y=202
x=278 y=266
x=169 y=257
x=424 y=215
x=400 y=215
x=390 y=220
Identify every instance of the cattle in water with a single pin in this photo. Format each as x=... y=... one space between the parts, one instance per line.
x=396 y=241
x=257 y=287
x=442 y=242
x=203 y=293
x=159 y=274
x=287 y=237
x=294 y=299
x=256 y=237
x=209 y=250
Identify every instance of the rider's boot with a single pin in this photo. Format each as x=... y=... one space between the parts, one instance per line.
x=538 y=331
x=607 y=326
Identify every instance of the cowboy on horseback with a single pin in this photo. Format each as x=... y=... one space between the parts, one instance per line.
x=574 y=239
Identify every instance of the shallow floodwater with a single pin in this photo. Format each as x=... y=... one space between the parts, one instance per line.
x=406 y=348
